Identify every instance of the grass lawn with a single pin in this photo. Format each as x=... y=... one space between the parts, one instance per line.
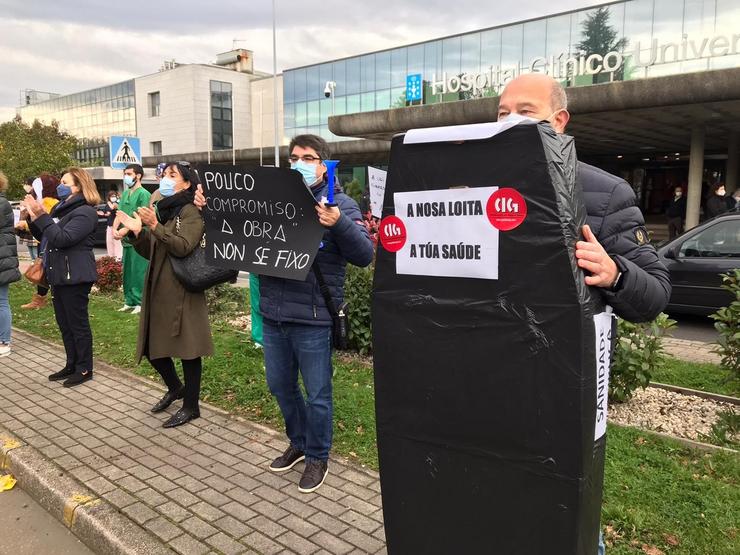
x=705 y=377
x=658 y=495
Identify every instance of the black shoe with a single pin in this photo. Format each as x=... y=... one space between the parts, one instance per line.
x=287 y=460
x=168 y=399
x=77 y=378
x=61 y=375
x=182 y=416
x=313 y=476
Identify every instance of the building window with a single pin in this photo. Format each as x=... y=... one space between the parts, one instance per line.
x=154 y=104
x=221 y=116
x=155 y=147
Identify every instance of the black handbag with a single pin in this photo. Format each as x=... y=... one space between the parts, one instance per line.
x=195 y=273
x=339 y=316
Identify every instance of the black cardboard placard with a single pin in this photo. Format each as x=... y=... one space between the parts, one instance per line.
x=486 y=388
x=260 y=220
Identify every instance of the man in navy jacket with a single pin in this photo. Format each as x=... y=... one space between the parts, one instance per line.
x=615 y=254
x=297 y=324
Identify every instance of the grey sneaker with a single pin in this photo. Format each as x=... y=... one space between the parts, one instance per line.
x=287 y=460
x=313 y=476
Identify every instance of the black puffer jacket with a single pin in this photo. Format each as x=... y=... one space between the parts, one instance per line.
x=618 y=224
x=8 y=249
x=301 y=302
x=68 y=234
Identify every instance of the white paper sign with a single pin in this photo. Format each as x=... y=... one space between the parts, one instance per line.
x=448 y=233
x=603 y=327
x=376 y=179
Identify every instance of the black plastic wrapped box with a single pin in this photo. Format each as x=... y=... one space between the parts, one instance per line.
x=488 y=388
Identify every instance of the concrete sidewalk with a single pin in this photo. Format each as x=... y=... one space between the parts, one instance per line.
x=691 y=351
x=106 y=466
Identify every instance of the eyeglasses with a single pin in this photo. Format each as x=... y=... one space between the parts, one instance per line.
x=308 y=158
x=184 y=164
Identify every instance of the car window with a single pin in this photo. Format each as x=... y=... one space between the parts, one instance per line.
x=721 y=240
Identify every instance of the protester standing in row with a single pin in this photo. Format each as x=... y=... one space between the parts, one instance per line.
x=297 y=323
x=134 y=197
x=9 y=271
x=114 y=248
x=67 y=237
x=45 y=188
x=173 y=322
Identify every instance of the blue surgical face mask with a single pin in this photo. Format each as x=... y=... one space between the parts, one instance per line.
x=128 y=180
x=308 y=171
x=63 y=191
x=167 y=187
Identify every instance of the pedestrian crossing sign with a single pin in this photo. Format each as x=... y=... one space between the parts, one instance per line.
x=124 y=151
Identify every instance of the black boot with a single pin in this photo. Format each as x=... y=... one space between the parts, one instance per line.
x=182 y=416
x=64 y=373
x=77 y=378
x=168 y=399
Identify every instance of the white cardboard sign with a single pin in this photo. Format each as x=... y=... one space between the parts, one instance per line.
x=448 y=233
x=376 y=180
x=603 y=327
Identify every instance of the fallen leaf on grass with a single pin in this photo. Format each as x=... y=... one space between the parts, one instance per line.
x=670 y=539
x=651 y=550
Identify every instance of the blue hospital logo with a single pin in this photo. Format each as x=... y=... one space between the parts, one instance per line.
x=413 y=87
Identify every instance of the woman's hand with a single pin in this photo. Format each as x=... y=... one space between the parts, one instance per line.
x=148 y=217
x=120 y=233
x=133 y=224
x=34 y=208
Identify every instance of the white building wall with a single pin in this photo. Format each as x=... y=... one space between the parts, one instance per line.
x=264 y=135
x=185 y=96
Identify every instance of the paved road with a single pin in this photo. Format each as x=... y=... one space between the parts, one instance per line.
x=27 y=529
x=696 y=328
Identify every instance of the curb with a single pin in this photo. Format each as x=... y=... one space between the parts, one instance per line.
x=93 y=520
x=690 y=443
x=696 y=393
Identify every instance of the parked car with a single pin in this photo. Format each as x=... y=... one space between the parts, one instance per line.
x=696 y=259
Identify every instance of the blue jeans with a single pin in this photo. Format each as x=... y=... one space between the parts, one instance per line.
x=6 y=318
x=602 y=547
x=290 y=348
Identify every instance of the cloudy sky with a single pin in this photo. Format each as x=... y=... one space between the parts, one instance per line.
x=74 y=45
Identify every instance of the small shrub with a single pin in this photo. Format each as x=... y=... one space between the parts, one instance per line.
x=354 y=189
x=227 y=300
x=357 y=290
x=110 y=274
x=727 y=323
x=638 y=350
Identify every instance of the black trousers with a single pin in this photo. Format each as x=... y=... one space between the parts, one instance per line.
x=675 y=227
x=191 y=369
x=70 y=309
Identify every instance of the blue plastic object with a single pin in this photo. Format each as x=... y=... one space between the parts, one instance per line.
x=331 y=166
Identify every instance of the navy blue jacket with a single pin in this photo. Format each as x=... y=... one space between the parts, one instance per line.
x=616 y=220
x=301 y=302
x=68 y=235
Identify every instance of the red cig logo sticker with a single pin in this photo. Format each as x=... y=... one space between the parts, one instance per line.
x=392 y=233
x=506 y=209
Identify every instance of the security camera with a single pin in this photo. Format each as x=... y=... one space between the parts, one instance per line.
x=329 y=88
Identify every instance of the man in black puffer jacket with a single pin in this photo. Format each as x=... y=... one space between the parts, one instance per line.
x=8 y=266
x=297 y=323
x=615 y=251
